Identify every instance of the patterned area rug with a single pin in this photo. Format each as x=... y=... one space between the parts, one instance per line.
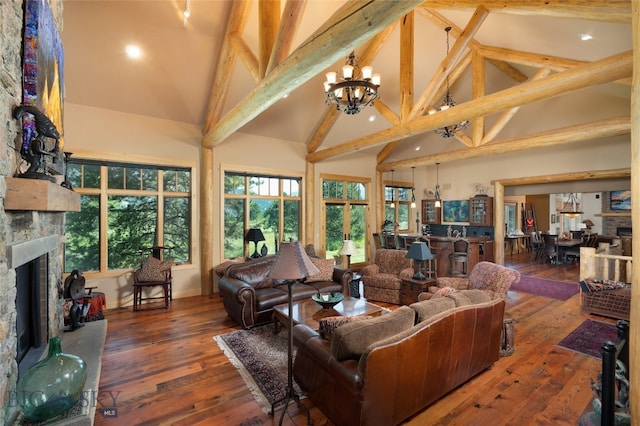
x=588 y=338
x=547 y=288
x=261 y=358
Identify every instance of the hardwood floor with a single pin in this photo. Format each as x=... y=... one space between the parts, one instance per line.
x=163 y=367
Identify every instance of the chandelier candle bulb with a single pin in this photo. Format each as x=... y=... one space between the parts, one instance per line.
x=376 y=79
x=347 y=72
x=366 y=72
x=331 y=77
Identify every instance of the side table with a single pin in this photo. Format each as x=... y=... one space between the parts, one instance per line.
x=410 y=289
x=354 y=285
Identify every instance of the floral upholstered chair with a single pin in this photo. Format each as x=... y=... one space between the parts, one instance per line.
x=381 y=280
x=487 y=276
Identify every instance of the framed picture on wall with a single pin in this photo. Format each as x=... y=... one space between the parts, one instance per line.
x=620 y=200
x=455 y=211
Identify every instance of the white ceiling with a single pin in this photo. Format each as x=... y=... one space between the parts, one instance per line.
x=173 y=78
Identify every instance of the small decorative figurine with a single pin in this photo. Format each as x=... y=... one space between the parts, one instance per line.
x=34 y=151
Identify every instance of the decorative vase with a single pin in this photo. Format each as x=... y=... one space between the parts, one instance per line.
x=52 y=386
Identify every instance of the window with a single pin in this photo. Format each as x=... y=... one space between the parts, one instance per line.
x=271 y=203
x=397 y=201
x=345 y=208
x=125 y=207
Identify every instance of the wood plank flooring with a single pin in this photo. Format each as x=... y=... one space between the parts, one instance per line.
x=162 y=367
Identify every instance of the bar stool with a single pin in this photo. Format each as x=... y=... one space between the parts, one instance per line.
x=459 y=258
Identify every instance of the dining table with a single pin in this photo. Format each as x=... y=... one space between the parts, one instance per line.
x=565 y=246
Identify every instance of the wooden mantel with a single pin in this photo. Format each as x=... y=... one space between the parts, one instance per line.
x=39 y=195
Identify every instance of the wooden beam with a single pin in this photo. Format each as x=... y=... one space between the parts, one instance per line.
x=386 y=112
x=592 y=10
x=339 y=36
x=309 y=197
x=477 y=90
x=573 y=134
x=603 y=71
x=508 y=115
x=245 y=54
x=566 y=177
x=269 y=17
x=443 y=23
x=226 y=60
x=529 y=59
x=406 y=66
x=289 y=25
x=321 y=129
x=207 y=207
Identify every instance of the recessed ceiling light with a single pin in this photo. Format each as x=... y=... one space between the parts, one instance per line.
x=585 y=36
x=372 y=117
x=418 y=148
x=286 y=95
x=133 y=51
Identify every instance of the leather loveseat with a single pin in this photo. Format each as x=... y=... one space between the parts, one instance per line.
x=381 y=371
x=249 y=295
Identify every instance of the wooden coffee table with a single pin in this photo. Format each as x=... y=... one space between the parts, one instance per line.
x=310 y=313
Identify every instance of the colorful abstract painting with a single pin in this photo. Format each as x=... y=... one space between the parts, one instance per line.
x=621 y=200
x=43 y=65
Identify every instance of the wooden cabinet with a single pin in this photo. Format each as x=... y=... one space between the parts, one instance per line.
x=481 y=211
x=431 y=215
x=410 y=289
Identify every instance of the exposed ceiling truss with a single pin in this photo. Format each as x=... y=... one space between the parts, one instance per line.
x=276 y=69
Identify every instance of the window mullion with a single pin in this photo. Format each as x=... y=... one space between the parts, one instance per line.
x=104 y=219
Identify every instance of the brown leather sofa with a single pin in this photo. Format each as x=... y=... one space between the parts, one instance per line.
x=451 y=341
x=249 y=295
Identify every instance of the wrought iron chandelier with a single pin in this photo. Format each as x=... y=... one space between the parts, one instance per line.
x=357 y=88
x=448 y=102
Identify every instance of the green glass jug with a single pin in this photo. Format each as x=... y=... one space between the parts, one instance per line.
x=52 y=386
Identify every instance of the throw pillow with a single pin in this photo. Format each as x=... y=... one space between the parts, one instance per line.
x=352 y=339
x=326 y=270
x=328 y=325
x=153 y=269
x=470 y=297
x=432 y=307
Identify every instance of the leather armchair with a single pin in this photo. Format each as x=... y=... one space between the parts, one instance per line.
x=381 y=280
x=490 y=277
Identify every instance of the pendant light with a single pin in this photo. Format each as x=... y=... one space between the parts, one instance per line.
x=413 y=187
x=437 y=203
x=393 y=204
x=570 y=208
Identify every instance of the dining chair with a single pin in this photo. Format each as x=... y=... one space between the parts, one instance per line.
x=551 y=248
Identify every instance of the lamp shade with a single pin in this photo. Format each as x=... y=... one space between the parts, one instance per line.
x=292 y=263
x=419 y=251
x=348 y=248
x=588 y=223
x=255 y=235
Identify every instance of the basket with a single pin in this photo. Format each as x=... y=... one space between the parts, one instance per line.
x=608 y=303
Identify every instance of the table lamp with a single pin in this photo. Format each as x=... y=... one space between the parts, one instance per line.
x=255 y=235
x=290 y=265
x=419 y=251
x=348 y=248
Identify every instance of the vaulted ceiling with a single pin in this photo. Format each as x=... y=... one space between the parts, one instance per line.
x=517 y=69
